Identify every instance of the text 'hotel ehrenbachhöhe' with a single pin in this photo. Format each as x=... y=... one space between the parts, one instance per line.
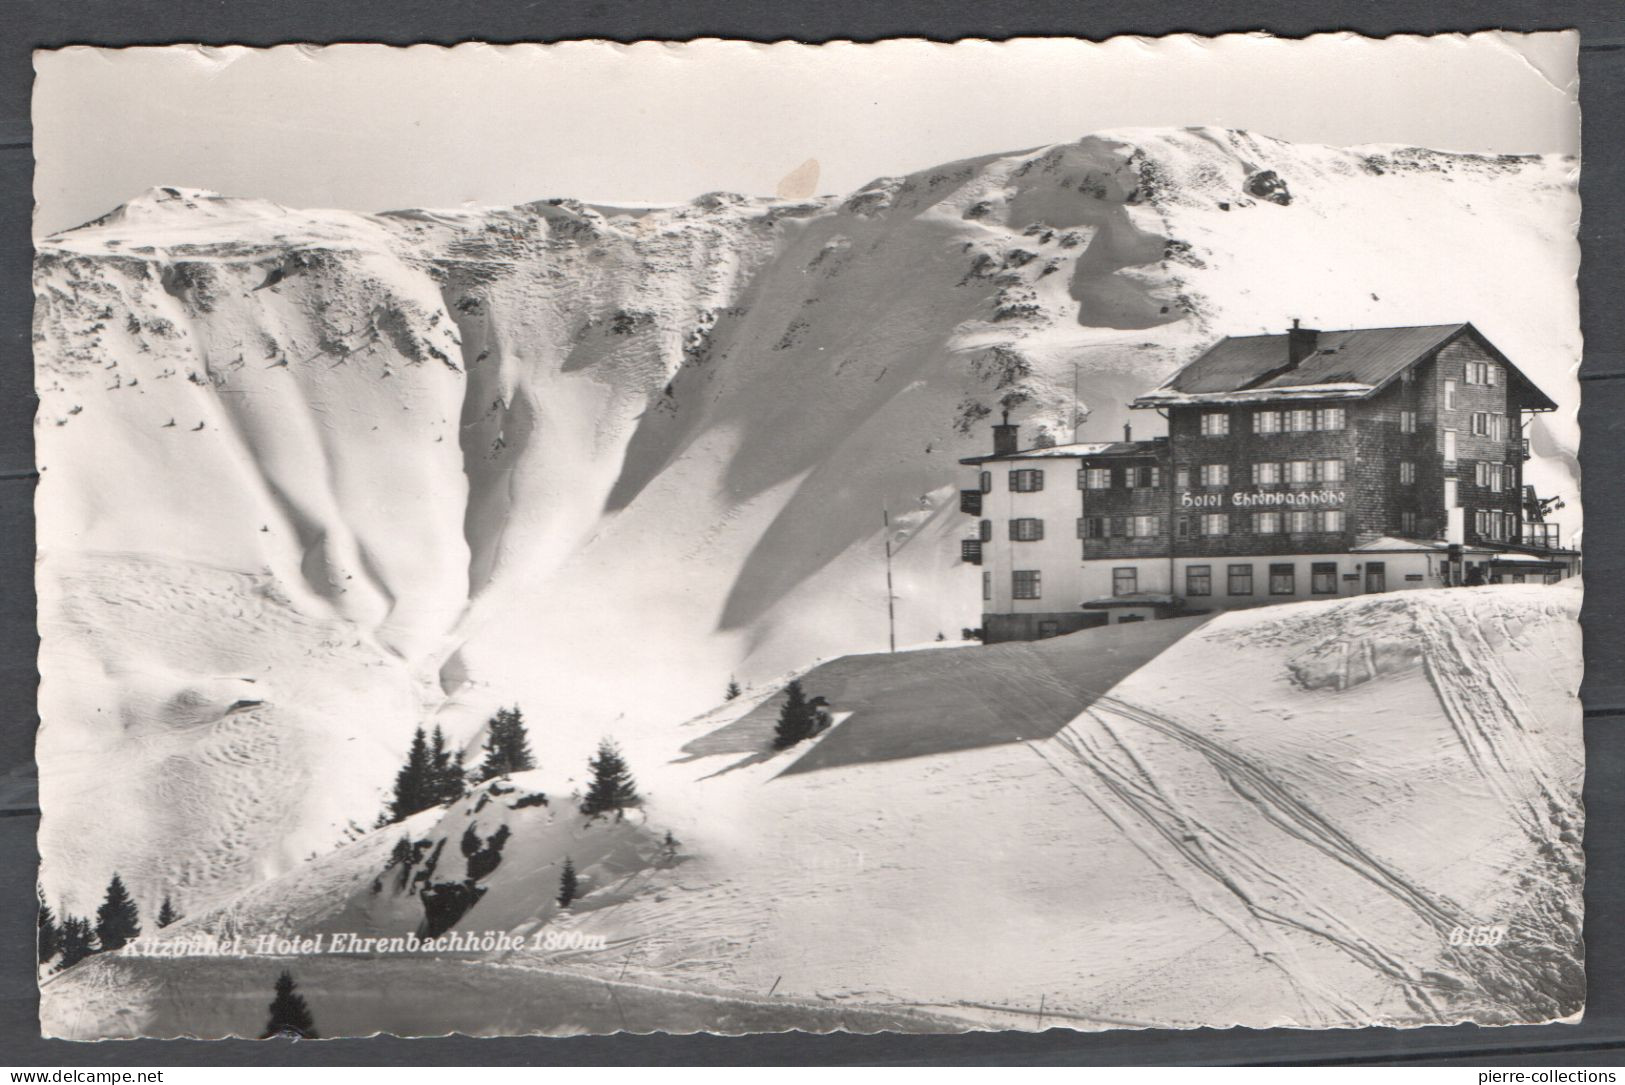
x=1309 y=465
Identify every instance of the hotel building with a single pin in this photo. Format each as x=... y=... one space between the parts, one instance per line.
x=1298 y=466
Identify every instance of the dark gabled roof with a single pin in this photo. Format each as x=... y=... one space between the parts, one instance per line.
x=1350 y=364
x=1363 y=356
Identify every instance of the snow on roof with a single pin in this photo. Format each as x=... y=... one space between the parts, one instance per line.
x=1344 y=390
x=1352 y=363
x=1390 y=543
x=1073 y=451
x=1367 y=356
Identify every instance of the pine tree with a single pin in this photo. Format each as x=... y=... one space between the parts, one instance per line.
x=612 y=787
x=167 y=913
x=507 y=747
x=412 y=781
x=567 y=883
x=798 y=719
x=50 y=936
x=446 y=780
x=733 y=689
x=117 y=920
x=290 y=1016
x=78 y=940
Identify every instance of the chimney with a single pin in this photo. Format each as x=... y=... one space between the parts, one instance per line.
x=1300 y=343
x=1004 y=437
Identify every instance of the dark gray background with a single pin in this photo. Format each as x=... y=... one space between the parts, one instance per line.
x=29 y=24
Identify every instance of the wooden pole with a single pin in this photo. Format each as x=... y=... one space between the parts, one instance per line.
x=891 y=609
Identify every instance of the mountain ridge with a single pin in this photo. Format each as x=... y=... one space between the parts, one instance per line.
x=525 y=453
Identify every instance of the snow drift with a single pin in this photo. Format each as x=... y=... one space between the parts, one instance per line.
x=1226 y=836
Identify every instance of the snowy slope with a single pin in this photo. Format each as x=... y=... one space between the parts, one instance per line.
x=595 y=460
x=1283 y=819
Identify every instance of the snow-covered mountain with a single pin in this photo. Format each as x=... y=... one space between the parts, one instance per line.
x=310 y=479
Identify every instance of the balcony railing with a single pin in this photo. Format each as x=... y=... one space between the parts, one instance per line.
x=1541 y=536
x=970 y=502
x=970 y=550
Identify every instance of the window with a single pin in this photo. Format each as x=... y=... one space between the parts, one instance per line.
x=1407 y=376
x=1266 y=523
x=1282 y=580
x=1026 y=529
x=1026 y=584
x=1215 y=474
x=1300 y=421
x=1491 y=476
x=984 y=531
x=987 y=482
x=1331 y=520
x=1449 y=395
x=1097 y=478
x=1266 y=474
x=1125 y=581
x=1449 y=446
x=1146 y=478
x=1299 y=522
x=1026 y=480
x=1182 y=478
x=1143 y=527
x=1407 y=521
x=1266 y=421
x=1491 y=524
x=1450 y=499
x=1376 y=576
x=1094 y=527
x=1216 y=523
x=987 y=586
x=1407 y=473
x=1480 y=373
x=1323 y=578
x=1299 y=472
x=1407 y=421
x=1479 y=423
x=1199 y=580
x=1331 y=470
x=1215 y=424
x=1329 y=418
x=1241 y=580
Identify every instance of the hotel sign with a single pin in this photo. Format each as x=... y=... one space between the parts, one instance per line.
x=1264 y=499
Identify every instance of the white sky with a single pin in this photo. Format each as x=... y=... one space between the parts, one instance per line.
x=372 y=128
